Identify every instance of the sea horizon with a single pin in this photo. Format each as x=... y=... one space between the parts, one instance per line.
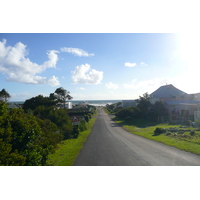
x=74 y=102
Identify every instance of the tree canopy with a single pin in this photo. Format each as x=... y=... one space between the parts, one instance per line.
x=62 y=95
x=29 y=134
x=39 y=100
x=143 y=103
x=4 y=95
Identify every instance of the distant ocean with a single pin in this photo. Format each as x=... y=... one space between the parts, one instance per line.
x=90 y=102
x=97 y=102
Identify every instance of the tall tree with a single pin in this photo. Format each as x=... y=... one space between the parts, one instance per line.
x=4 y=95
x=39 y=100
x=143 y=103
x=62 y=95
x=156 y=110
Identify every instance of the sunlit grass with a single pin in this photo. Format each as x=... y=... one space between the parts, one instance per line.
x=144 y=129
x=68 y=150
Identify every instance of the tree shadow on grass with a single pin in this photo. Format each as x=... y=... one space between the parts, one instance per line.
x=142 y=123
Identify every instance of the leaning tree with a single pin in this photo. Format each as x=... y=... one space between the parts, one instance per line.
x=62 y=95
x=4 y=95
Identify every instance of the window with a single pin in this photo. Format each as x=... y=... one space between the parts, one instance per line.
x=173 y=97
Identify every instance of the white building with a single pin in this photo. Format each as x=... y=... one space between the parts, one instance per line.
x=180 y=105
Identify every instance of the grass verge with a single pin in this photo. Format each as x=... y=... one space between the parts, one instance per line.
x=68 y=150
x=142 y=128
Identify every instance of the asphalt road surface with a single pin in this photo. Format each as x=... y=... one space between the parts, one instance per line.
x=110 y=145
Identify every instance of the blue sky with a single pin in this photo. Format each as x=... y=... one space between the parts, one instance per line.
x=97 y=65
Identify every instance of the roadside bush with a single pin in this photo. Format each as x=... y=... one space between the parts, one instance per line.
x=75 y=131
x=59 y=117
x=89 y=115
x=50 y=133
x=86 y=118
x=19 y=132
x=130 y=112
x=128 y=118
x=3 y=108
x=159 y=131
x=82 y=126
x=117 y=109
x=192 y=133
x=26 y=139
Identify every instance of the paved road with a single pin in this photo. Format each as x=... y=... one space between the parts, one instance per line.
x=110 y=145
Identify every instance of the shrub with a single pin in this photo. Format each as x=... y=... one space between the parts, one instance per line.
x=75 y=131
x=59 y=117
x=86 y=118
x=128 y=112
x=20 y=133
x=159 y=131
x=192 y=133
x=128 y=118
x=3 y=108
x=25 y=139
x=82 y=126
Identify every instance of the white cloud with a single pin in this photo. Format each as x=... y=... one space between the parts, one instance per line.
x=147 y=85
x=112 y=86
x=76 y=51
x=53 y=81
x=18 y=68
x=143 y=64
x=84 y=74
x=80 y=88
x=53 y=58
x=128 y=64
x=130 y=85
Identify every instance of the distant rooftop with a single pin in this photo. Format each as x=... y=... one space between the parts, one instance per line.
x=166 y=91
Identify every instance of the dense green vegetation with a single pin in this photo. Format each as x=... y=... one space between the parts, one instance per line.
x=68 y=150
x=30 y=134
x=143 y=110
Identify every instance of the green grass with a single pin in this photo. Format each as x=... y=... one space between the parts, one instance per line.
x=145 y=129
x=68 y=150
x=107 y=111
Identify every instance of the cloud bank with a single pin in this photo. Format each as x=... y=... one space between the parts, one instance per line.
x=128 y=64
x=84 y=74
x=143 y=64
x=76 y=51
x=112 y=86
x=18 y=68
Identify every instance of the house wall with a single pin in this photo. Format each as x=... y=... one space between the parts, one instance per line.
x=173 y=100
x=196 y=116
x=174 y=97
x=197 y=113
x=181 y=112
x=153 y=100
